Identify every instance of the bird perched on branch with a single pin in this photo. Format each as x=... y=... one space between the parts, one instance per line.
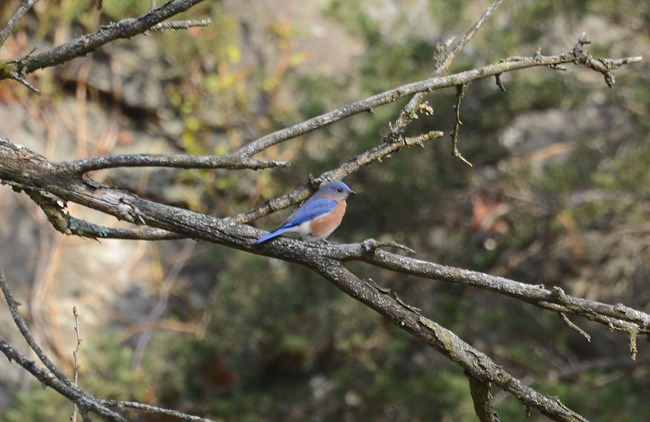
x=318 y=217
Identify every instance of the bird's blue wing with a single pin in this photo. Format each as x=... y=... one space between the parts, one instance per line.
x=314 y=207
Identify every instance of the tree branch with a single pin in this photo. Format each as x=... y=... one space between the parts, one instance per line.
x=444 y=341
x=51 y=185
x=351 y=165
x=424 y=86
x=26 y=170
x=154 y=409
x=326 y=259
x=57 y=214
x=455 y=152
x=22 y=327
x=185 y=161
x=125 y=28
x=617 y=316
x=10 y=26
x=408 y=112
x=52 y=376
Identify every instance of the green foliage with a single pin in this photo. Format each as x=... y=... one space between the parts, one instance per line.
x=122 y=9
x=38 y=405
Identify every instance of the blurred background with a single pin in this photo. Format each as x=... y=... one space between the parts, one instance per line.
x=558 y=195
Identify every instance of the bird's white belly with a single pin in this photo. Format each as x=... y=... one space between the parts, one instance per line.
x=304 y=229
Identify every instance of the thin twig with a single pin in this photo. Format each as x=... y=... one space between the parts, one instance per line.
x=442 y=64
x=580 y=331
x=19 y=78
x=154 y=409
x=371 y=245
x=499 y=83
x=460 y=93
x=47 y=377
x=10 y=26
x=22 y=327
x=75 y=357
x=351 y=165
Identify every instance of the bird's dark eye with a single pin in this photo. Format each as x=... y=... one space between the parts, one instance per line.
x=340 y=190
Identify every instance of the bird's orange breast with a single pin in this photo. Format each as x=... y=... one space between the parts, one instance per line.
x=323 y=226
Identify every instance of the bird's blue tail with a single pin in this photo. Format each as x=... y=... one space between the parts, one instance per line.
x=269 y=236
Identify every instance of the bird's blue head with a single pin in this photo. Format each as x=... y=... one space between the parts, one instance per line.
x=336 y=189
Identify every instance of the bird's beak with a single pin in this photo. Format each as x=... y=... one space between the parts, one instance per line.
x=352 y=192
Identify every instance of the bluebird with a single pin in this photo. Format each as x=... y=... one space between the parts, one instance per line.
x=318 y=217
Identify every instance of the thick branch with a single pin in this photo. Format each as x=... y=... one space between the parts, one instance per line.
x=444 y=341
x=26 y=170
x=623 y=318
x=482 y=398
x=57 y=214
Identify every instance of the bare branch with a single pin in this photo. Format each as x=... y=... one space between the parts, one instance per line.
x=154 y=409
x=83 y=228
x=35 y=173
x=126 y=28
x=75 y=357
x=460 y=93
x=10 y=26
x=499 y=83
x=618 y=316
x=57 y=214
x=185 y=161
x=326 y=259
x=468 y=35
x=51 y=185
x=427 y=85
x=351 y=165
x=54 y=379
x=444 y=341
x=13 y=74
x=443 y=63
x=580 y=331
x=22 y=327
